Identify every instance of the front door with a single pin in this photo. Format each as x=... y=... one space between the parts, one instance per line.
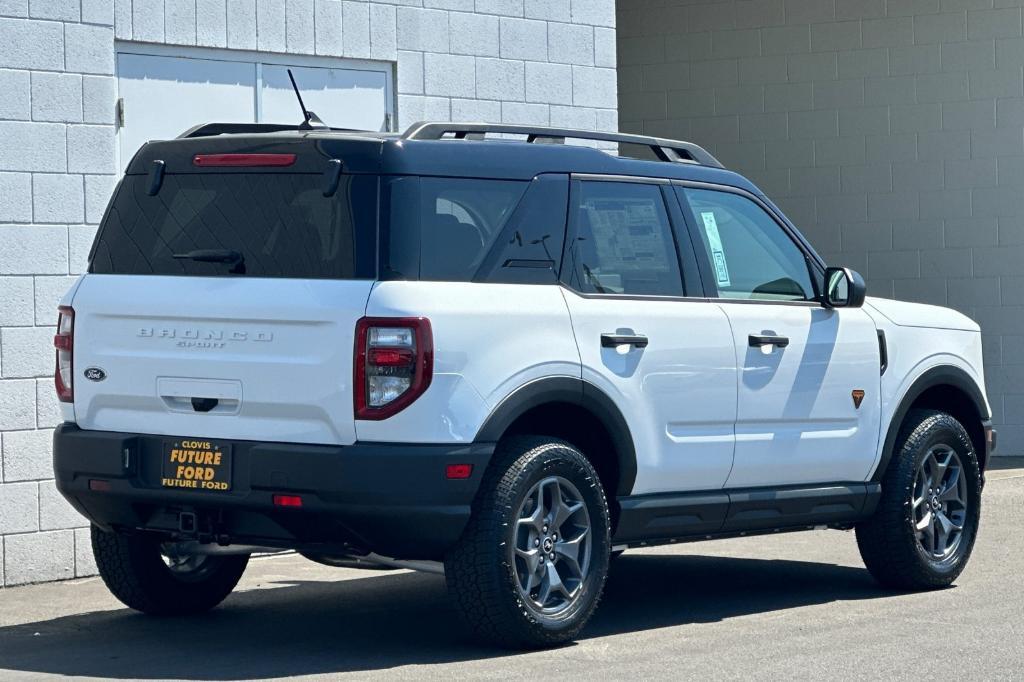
x=667 y=362
x=808 y=384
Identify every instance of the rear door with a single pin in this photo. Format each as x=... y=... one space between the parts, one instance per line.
x=800 y=364
x=665 y=360
x=258 y=348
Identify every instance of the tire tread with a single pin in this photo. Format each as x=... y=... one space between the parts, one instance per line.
x=473 y=568
x=886 y=543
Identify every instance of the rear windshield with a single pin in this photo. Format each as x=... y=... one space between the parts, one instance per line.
x=252 y=224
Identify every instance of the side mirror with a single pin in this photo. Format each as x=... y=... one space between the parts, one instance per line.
x=844 y=288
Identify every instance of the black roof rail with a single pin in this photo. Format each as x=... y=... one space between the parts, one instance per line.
x=665 y=150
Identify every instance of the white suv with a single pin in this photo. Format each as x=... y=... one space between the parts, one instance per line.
x=502 y=358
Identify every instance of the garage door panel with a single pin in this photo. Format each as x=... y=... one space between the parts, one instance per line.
x=342 y=98
x=164 y=96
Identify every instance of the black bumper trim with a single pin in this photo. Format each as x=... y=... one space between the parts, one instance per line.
x=389 y=498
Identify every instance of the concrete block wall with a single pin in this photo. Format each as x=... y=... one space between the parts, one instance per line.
x=519 y=61
x=890 y=131
x=56 y=171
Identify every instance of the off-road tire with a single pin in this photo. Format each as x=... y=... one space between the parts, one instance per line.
x=480 y=575
x=887 y=541
x=134 y=571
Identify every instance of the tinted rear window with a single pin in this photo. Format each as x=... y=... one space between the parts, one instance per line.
x=280 y=223
x=442 y=228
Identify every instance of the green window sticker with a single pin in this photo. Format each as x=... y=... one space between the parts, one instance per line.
x=717 y=252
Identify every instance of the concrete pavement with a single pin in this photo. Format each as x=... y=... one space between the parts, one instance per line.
x=790 y=606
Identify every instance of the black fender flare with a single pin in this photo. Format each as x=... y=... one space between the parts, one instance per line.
x=574 y=391
x=943 y=375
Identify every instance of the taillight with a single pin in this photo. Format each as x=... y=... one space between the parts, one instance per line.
x=394 y=362
x=64 y=342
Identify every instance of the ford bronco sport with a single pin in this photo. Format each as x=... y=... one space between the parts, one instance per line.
x=480 y=350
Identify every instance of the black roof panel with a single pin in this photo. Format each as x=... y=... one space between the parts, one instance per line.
x=390 y=154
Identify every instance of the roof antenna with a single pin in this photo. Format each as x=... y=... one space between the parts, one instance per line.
x=309 y=119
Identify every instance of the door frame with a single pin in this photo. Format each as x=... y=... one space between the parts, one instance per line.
x=257 y=59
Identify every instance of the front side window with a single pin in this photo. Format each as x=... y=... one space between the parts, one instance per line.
x=751 y=256
x=623 y=241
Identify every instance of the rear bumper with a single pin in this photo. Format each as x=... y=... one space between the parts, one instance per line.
x=389 y=498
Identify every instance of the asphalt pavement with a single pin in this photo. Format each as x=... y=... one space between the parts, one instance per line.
x=792 y=606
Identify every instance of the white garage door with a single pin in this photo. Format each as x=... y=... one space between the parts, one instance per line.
x=164 y=93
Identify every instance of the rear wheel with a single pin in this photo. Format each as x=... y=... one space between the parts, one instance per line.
x=149 y=576
x=923 y=531
x=530 y=567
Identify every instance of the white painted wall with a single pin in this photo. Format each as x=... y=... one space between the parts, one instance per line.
x=520 y=61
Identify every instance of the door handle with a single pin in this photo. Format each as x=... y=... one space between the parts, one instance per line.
x=614 y=340
x=758 y=340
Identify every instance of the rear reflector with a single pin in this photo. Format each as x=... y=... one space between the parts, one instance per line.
x=458 y=471
x=99 y=485
x=236 y=160
x=287 y=501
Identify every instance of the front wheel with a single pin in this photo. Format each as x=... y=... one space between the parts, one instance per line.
x=923 y=531
x=530 y=566
x=148 y=576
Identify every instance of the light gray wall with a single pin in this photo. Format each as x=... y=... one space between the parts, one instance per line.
x=890 y=131
x=518 y=61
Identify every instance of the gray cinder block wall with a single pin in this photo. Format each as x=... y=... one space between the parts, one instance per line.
x=519 y=61
x=890 y=131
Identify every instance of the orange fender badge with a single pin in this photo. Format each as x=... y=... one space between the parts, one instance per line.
x=858 y=397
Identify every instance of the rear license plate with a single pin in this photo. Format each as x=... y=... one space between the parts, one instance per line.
x=196 y=464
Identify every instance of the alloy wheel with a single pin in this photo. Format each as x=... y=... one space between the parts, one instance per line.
x=552 y=546
x=939 y=502
x=184 y=566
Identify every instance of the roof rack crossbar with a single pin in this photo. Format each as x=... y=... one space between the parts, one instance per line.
x=665 y=150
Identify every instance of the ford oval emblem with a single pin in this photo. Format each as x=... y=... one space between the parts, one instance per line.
x=95 y=374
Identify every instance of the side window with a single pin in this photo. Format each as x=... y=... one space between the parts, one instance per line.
x=623 y=241
x=751 y=256
x=440 y=229
x=529 y=248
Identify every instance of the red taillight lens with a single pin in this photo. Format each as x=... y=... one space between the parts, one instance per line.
x=64 y=342
x=390 y=357
x=393 y=364
x=236 y=160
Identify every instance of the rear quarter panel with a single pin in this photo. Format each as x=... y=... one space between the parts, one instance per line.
x=489 y=339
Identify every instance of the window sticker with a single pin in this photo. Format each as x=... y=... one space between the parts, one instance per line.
x=717 y=253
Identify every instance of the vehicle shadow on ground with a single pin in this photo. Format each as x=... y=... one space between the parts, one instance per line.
x=385 y=621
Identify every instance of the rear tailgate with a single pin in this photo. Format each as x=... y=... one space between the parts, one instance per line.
x=276 y=354
x=224 y=289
